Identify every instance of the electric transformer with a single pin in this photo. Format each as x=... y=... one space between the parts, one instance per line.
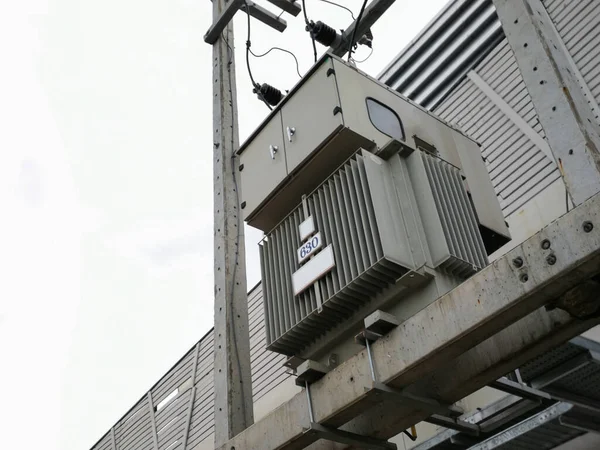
x=368 y=202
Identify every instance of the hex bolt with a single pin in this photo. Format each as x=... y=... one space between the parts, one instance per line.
x=551 y=259
x=518 y=262
x=588 y=226
x=545 y=244
x=524 y=278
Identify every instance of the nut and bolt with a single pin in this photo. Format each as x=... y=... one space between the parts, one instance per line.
x=545 y=244
x=518 y=262
x=551 y=259
x=588 y=226
x=524 y=278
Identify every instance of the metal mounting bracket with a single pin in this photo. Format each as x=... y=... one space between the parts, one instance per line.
x=347 y=438
x=341 y=436
x=425 y=404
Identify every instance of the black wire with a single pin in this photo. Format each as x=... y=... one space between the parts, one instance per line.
x=312 y=38
x=357 y=22
x=340 y=6
x=255 y=85
x=363 y=60
x=282 y=50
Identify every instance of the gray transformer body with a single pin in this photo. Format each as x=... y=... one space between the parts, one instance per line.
x=367 y=202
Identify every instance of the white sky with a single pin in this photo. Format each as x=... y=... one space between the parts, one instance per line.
x=105 y=187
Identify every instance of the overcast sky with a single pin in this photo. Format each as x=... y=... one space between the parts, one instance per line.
x=105 y=187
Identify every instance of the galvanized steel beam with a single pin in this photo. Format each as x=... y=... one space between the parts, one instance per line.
x=549 y=414
x=571 y=129
x=492 y=323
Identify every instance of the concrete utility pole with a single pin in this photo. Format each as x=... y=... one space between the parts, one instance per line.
x=233 y=384
x=232 y=376
x=569 y=123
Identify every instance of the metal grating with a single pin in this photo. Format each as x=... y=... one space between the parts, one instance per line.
x=546 y=436
x=549 y=360
x=345 y=214
x=583 y=383
x=467 y=251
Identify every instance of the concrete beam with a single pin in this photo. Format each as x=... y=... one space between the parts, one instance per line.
x=566 y=116
x=481 y=330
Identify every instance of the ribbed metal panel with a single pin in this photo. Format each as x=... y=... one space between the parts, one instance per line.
x=467 y=251
x=518 y=168
x=358 y=213
x=578 y=23
x=437 y=60
x=169 y=423
x=344 y=213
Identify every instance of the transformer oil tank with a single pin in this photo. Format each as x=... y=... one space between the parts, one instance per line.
x=367 y=202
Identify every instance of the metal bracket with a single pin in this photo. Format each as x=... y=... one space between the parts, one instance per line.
x=510 y=387
x=426 y=404
x=347 y=438
x=310 y=371
x=381 y=322
x=341 y=436
x=289 y=6
x=254 y=10
x=454 y=424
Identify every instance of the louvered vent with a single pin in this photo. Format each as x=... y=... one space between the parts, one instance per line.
x=467 y=253
x=352 y=212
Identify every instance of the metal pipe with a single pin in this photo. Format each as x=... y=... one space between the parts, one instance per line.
x=371 y=365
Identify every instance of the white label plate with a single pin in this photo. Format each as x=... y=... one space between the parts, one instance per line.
x=307 y=228
x=309 y=248
x=313 y=270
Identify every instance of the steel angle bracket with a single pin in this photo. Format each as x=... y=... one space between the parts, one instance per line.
x=426 y=404
x=415 y=278
x=511 y=387
x=347 y=438
x=251 y=8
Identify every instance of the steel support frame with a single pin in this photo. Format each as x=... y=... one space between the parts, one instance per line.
x=493 y=323
x=569 y=123
x=552 y=413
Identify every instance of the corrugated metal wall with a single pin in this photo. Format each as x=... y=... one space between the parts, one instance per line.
x=172 y=413
x=578 y=23
x=518 y=168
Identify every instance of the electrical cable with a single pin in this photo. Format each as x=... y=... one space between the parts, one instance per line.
x=255 y=85
x=308 y=28
x=282 y=50
x=340 y=6
x=365 y=59
x=357 y=22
